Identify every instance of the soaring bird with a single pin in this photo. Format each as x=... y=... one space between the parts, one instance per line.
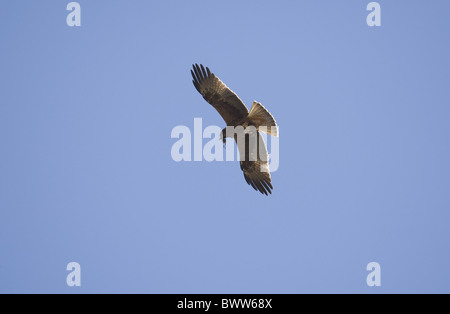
x=253 y=158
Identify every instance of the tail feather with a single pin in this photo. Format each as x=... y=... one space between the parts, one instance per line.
x=262 y=119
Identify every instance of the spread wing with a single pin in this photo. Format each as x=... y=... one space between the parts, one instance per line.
x=255 y=161
x=227 y=103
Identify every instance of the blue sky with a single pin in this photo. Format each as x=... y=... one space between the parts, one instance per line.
x=86 y=173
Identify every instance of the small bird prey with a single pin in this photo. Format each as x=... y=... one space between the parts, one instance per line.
x=253 y=158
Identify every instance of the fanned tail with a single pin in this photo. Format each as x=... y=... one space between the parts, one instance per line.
x=262 y=119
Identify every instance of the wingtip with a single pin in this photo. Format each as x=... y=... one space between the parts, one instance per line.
x=201 y=70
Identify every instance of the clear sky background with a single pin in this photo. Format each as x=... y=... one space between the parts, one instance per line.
x=86 y=173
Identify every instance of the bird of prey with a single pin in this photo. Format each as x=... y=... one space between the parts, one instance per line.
x=253 y=158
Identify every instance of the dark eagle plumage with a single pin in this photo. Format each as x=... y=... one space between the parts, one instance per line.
x=253 y=158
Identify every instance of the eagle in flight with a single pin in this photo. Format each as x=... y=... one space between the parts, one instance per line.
x=253 y=158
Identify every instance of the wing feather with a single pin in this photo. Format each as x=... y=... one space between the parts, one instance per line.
x=255 y=162
x=215 y=92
